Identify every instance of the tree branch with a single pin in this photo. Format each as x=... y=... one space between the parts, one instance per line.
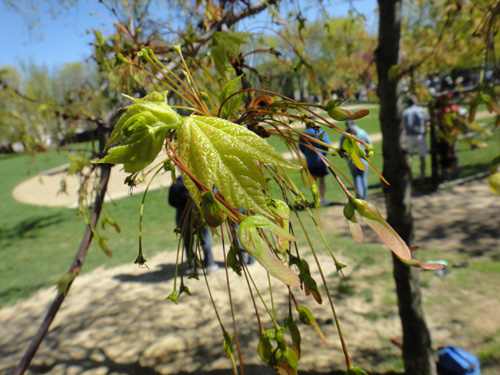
x=75 y=266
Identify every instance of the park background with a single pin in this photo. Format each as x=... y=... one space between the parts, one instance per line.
x=38 y=241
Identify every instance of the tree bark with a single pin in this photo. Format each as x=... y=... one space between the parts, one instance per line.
x=417 y=346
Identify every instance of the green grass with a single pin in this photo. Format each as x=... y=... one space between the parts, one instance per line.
x=490 y=353
x=37 y=244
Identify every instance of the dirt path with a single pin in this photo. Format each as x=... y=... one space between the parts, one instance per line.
x=116 y=321
x=44 y=188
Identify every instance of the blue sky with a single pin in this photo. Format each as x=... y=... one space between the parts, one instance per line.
x=55 y=40
x=65 y=39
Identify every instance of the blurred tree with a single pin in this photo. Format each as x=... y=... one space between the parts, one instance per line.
x=41 y=109
x=320 y=57
x=439 y=36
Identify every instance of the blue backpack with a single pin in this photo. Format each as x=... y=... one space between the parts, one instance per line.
x=456 y=361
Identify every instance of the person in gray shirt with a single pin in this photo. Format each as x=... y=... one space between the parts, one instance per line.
x=415 y=119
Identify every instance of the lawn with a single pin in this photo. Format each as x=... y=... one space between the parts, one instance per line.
x=37 y=244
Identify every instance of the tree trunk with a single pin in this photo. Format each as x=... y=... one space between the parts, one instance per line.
x=417 y=349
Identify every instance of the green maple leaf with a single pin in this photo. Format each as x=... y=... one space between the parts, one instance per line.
x=140 y=132
x=221 y=153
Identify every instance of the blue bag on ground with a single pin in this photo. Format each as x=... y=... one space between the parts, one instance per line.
x=456 y=361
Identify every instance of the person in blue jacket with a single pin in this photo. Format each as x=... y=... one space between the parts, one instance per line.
x=360 y=177
x=315 y=164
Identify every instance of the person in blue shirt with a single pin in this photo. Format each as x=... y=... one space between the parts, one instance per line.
x=317 y=167
x=360 y=177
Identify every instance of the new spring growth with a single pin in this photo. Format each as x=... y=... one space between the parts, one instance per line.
x=282 y=358
x=214 y=151
x=211 y=211
x=282 y=211
x=372 y=216
x=309 y=284
x=356 y=152
x=253 y=243
x=140 y=132
x=340 y=114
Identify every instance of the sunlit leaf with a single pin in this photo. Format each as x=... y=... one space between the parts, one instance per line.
x=340 y=114
x=372 y=216
x=356 y=371
x=310 y=285
x=253 y=243
x=306 y=317
x=264 y=223
x=140 y=132
x=352 y=148
x=352 y=221
x=235 y=101
x=173 y=297
x=282 y=211
x=357 y=154
x=222 y=154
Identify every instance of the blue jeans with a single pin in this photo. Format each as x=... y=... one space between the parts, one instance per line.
x=190 y=242
x=360 y=181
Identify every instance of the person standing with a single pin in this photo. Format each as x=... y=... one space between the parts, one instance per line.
x=178 y=197
x=317 y=167
x=415 y=119
x=359 y=176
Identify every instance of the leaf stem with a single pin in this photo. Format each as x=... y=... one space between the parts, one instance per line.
x=240 y=357
x=327 y=290
x=140 y=258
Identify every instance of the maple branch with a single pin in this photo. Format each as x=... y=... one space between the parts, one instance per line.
x=77 y=261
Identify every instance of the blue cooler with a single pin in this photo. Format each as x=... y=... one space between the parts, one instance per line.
x=456 y=361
